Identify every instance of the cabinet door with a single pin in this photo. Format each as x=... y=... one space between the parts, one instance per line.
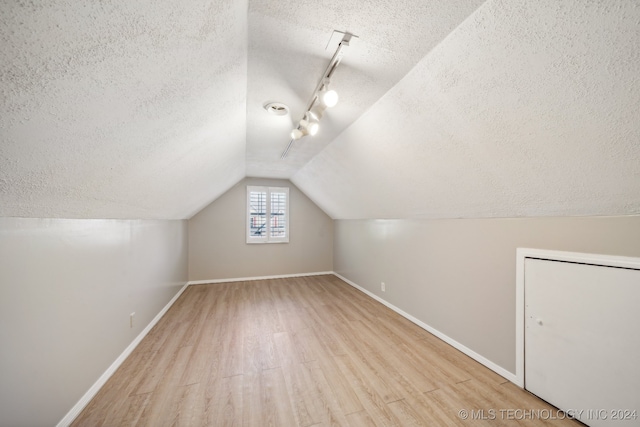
x=582 y=339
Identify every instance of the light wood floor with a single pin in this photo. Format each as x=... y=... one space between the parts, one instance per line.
x=301 y=352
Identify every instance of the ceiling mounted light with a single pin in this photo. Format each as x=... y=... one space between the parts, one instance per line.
x=329 y=98
x=317 y=111
x=321 y=99
x=307 y=126
x=313 y=127
x=276 y=108
x=296 y=134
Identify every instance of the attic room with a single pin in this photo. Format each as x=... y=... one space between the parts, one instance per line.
x=478 y=150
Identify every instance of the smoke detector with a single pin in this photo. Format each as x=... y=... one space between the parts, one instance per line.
x=276 y=108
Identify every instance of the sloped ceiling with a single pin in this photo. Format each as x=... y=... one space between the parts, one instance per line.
x=287 y=57
x=528 y=108
x=120 y=109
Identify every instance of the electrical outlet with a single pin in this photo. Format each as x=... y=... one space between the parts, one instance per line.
x=383 y=287
x=131 y=316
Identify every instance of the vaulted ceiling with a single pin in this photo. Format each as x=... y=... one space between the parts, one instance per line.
x=152 y=109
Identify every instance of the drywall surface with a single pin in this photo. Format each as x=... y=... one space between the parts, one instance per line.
x=290 y=44
x=526 y=109
x=217 y=238
x=458 y=276
x=114 y=109
x=67 y=288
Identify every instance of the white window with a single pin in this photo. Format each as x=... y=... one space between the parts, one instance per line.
x=267 y=214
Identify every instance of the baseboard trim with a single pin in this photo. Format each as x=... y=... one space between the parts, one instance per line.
x=461 y=347
x=84 y=400
x=246 y=279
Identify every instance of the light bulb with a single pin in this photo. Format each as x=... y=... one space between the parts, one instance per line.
x=317 y=111
x=313 y=128
x=296 y=134
x=330 y=98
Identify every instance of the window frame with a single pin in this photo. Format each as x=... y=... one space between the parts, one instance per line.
x=267 y=238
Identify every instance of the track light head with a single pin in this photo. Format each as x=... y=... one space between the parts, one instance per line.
x=313 y=127
x=329 y=98
x=317 y=111
x=296 y=134
x=309 y=125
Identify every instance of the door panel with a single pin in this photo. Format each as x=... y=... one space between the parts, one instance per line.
x=582 y=339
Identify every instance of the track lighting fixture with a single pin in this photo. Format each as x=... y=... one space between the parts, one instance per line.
x=317 y=112
x=307 y=126
x=296 y=134
x=322 y=98
x=313 y=127
x=329 y=98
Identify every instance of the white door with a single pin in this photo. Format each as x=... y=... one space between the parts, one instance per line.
x=582 y=340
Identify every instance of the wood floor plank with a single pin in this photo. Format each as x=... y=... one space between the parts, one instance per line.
x=309 y=351
x=325 y=399
x=464 y=365
x=204 y=358
x=230 y=349
x=443 y=406
x=406 y=414
x=399 y=329
x=161 y=362
x=224 y=399
x=258 y=347
x=167 y=393
x=439 y=371
x=360 y=419
x=370 y=395
x=300 y=394
x=513 y=397
x=340 y=387
x=131 y=412
x=365 y=365
x=303 y=344
x=182 y=409
x=377 y=362
x=121 y=384
x=392 y=360
x=275 y=404
x=294 y=319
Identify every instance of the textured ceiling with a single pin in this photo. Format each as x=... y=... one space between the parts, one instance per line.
x=526 y=109
x=120 y=109
x=287 y=57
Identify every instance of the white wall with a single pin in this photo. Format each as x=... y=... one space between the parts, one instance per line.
x=458 y=276
x=217 y=238
x=67 y=288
